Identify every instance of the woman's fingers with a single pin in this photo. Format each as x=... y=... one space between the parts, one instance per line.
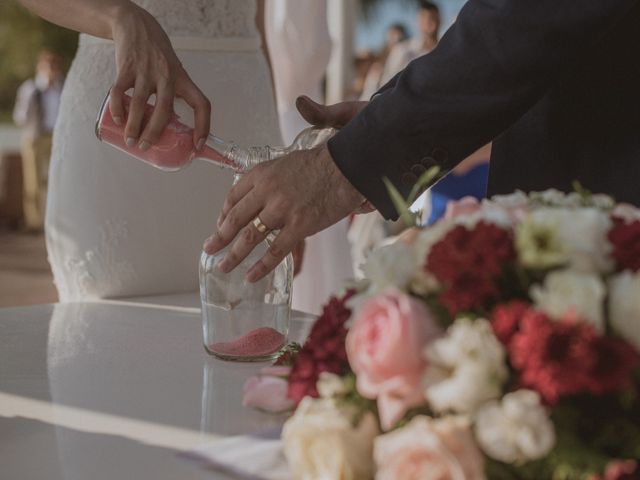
x=116 y=102
x=161 y=115
x=137 y=109
x=201 y=105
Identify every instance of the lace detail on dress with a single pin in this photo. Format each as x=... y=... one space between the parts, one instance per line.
x=206 y=18
x=99 y=270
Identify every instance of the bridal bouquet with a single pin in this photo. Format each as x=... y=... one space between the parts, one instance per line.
x=501 y=343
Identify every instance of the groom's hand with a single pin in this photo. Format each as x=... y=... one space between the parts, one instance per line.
x=299 y=195
x=336 y=116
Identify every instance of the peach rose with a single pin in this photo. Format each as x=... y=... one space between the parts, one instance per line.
x=464 y=206
x=428 y=449
x=384 y=347
x=267 y=391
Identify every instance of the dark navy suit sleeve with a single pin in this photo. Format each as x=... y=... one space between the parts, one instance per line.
x=491 y=66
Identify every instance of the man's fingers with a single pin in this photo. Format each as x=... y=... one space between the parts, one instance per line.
x=246 y=241
x=237 y=192
x=161 y=115
x=239 y=216
x=201 y=105
x=337 y=115
x=280 y=248
x=137 y=110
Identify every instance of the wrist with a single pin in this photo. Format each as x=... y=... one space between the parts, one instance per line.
x=118 y=14
x=344 y=189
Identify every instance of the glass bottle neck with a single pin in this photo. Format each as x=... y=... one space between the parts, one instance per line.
x=230 y=155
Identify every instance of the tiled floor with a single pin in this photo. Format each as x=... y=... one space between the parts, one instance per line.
x=25 y=277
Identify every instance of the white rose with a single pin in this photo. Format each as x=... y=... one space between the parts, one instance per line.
x=488 y=213
x=390 y=266
x=568 y=291
x=321 y=442
x=624 y=306
x=516 y=430
x=602 y=201
x=513 y=200
x=551 y=197
x=550 y=237
x=465 y=368
x=330 y=385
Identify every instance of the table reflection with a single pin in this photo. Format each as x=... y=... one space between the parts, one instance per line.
x=140 y=372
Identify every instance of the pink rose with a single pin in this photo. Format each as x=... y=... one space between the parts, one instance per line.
x=385 y=346
x=465 y=206
x=428 y=449
x=268 y=390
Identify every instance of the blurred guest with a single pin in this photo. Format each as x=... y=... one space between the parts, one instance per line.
x=35 y=112
x=396 y=34
x=300 y=46
x=428 y=24
x=363 y=64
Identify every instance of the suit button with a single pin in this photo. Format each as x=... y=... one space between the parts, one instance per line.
x=418 y=170
x=428 y=161
x=440 y=155
x=409 y=180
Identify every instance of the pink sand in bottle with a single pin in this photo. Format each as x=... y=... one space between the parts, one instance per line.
x=260 y=342
x=174 y=149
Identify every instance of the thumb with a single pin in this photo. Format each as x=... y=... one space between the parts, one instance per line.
x=337 y=115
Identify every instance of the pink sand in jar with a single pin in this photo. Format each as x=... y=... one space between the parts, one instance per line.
x=257 y=343
x=171 y=152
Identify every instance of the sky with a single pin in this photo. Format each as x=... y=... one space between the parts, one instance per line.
x=370 y=32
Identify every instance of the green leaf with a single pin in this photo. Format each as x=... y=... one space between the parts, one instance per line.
x=424 y=181
x=401 y=206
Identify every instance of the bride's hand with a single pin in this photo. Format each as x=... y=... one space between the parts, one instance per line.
x=146 y=62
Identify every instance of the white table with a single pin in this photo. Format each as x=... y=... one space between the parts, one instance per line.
x=115 y=390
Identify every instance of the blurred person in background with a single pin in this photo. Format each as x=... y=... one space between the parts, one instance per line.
x=297 y=33
x=396 y=34
x=36 y=110
x=469 y=178
x=428 y=25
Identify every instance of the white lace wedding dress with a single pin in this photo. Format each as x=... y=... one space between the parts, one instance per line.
x=117 y=227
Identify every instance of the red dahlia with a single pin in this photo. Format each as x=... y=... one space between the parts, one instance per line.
x=554 y=358
x=324 y=350
x=506 y=319
x=467 y=261
x=625 y=239
x=568 y=357
x=615 y=360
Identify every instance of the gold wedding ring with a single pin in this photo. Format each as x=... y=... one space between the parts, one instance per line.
x=261 y=227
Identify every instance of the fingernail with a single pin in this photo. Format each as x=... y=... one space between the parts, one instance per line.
x=252 y=276
x=223 y=265
x=144 y=145
x=131 y=142
x=207 y=244
x=117 y=120
x=200 y=144
x=219 y=221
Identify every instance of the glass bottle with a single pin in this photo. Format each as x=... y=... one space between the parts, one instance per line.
x=241 y=321
x=175 y=150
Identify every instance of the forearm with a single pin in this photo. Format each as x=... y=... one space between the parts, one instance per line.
x=499 y=58
x=95 y=17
